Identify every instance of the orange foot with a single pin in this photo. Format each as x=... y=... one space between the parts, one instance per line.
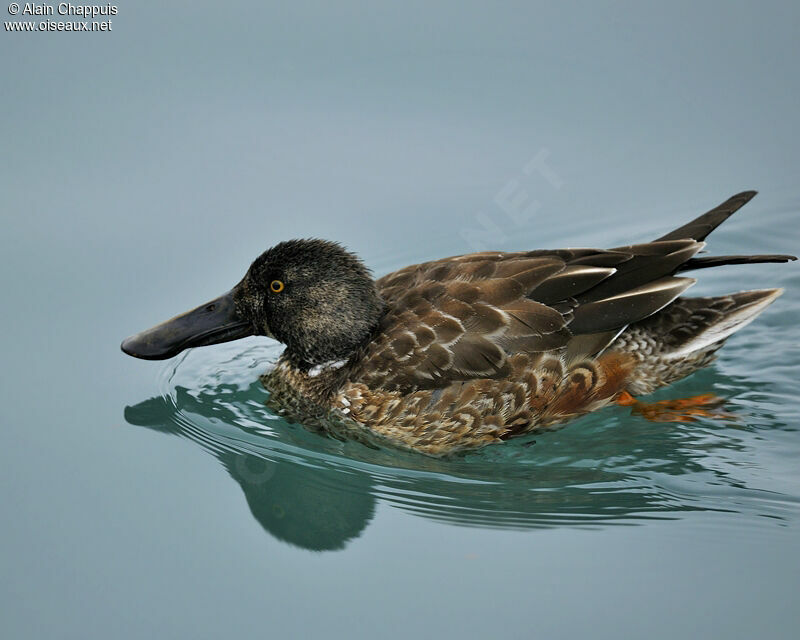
x=680 y=410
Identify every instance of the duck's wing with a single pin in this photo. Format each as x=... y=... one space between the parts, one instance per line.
x=461 y=318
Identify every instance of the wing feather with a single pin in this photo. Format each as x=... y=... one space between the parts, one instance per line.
x=462 y=318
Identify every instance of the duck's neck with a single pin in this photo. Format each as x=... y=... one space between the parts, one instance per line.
x=291 y=382
x=315 y=384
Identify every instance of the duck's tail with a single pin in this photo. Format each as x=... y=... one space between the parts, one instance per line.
x=684 y=337
x=699 y=228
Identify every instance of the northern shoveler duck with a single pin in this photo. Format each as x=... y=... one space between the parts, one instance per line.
x=465 y=351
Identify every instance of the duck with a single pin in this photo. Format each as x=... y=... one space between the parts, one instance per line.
x=454 y=354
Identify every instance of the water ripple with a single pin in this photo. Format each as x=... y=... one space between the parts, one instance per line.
x=610 y=468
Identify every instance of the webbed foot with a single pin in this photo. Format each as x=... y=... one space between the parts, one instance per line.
x=678 y=410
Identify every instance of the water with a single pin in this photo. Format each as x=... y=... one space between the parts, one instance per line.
x=145 y=169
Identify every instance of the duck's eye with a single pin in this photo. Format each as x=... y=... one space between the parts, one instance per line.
x=276 y=286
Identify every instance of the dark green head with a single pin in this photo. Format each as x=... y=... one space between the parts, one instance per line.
x=312 y=295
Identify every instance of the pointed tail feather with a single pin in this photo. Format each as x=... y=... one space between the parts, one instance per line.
x=684 y=336
x=718 y=261
x=700 y=227
x=716 y=319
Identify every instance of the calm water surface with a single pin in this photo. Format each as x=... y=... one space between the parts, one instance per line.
x=142 y=175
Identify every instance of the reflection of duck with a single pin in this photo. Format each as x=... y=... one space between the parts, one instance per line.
x=461 y=352
x=310 y=510
x=612 y=470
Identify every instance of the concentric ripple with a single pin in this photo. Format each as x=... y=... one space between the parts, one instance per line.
x=605 y=469
x=608 y=468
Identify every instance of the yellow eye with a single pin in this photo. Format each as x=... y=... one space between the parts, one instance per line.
x=276 y=286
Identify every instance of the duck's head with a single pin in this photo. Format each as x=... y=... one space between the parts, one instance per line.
x=312 y=295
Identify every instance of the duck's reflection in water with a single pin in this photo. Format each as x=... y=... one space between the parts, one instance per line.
x=320 y=494
x=308 y=507
x=291 y=506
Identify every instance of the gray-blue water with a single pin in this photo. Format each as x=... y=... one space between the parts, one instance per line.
x=142 y=170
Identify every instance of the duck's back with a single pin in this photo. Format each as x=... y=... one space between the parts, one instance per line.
x=462 y=318
x=481 y=347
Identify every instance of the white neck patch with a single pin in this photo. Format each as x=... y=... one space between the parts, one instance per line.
x=332 y=365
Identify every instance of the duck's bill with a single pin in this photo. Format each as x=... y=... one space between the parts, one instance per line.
x=211 y=323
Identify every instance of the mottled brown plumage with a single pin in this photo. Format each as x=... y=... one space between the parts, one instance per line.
x=461 y=352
